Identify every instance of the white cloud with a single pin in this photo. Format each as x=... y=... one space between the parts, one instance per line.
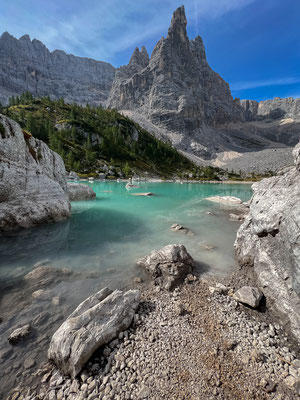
x=103 y=28
x=263 y=83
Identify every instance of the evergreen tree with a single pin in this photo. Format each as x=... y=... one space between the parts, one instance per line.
x=127 y=169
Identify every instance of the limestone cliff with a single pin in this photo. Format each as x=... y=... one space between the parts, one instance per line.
x=269 y=240
x=177 y=96
x=27 y=65
x=33 y=186
x=176 y=90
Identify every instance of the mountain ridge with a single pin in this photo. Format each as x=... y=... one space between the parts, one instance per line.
x=174 y=93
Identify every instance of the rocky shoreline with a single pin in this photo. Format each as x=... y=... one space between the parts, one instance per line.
x=195 y=342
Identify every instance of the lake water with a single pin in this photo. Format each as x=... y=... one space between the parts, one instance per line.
x=101 y=243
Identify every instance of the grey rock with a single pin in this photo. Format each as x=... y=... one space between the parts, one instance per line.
x=178 y=97
x=27 y=65
x=73 y=175
x=79 y=192
x=95 y=322
x=168 y=266
x=268 y=240
x=19 y=334
x=33 y=183
x=248 y=295
x=182 y=229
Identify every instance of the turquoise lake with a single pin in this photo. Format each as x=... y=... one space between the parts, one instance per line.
x=100 y=244
x=109 y=234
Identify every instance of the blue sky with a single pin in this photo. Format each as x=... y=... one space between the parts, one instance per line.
x=253 y=44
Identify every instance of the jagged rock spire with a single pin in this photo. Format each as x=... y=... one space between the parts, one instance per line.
x=139 y=58
x=178 y=23
x=145 y=54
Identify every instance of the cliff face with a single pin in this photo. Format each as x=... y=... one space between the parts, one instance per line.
x=177 y=94
x=274 y=109
x=27 y=65
x=176 y=89
x=33 y=186
x=269 y=240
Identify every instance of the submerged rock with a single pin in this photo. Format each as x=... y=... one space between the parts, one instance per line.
x=268 y=240
x=95 y=322
x=249 y=295
x=168 y=266
x=33 y=187
x=227 y=200
x=182 y=229
x=79 y=191
x=19 y=334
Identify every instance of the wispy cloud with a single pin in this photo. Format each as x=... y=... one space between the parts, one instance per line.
x=263 y=83
x=102 y=29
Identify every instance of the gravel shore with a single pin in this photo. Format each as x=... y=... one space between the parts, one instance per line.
x=194 y=343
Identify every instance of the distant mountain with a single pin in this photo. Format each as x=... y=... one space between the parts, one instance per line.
x=178 y=96
x=27 y=65
x=174 y=94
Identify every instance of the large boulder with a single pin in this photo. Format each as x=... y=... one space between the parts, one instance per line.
x=95 y=322
x=168 y=266
x=33 y=187
x=269 y=240
x=80 y=191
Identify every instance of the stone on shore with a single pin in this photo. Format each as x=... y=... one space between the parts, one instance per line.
x=33 y=187
x=19 y=334
x=249 y=295
x=80 y=192
x=95 y=322
x=168 y=266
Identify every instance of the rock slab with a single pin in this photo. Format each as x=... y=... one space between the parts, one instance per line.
x=269 y=240
x=95 y=322
x=168 y=266
x=33 y=187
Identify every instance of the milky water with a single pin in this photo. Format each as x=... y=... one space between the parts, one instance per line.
x=101 y=243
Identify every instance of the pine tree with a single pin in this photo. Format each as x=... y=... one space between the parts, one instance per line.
x=127 y=169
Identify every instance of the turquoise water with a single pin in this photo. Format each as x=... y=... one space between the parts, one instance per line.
x=110 y=233
x=101 y=243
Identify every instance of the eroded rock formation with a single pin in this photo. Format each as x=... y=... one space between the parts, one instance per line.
x=33 y=187
x=177 y=96
x=269 y=240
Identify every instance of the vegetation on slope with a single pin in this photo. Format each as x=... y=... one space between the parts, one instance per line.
x=96 y=140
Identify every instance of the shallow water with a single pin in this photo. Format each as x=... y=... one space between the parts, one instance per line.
x=105 y=237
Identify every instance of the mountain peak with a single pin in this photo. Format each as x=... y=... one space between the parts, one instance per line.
x=178 y=22
x=139 y=58
x=25 y=38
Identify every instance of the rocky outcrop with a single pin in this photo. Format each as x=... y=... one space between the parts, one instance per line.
x=80 y=192
x=269 y=241
x=168 y=266
x=276 y=108
x=33 y=187
x=95 y=322
x=27 y=65
x=176 y=89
